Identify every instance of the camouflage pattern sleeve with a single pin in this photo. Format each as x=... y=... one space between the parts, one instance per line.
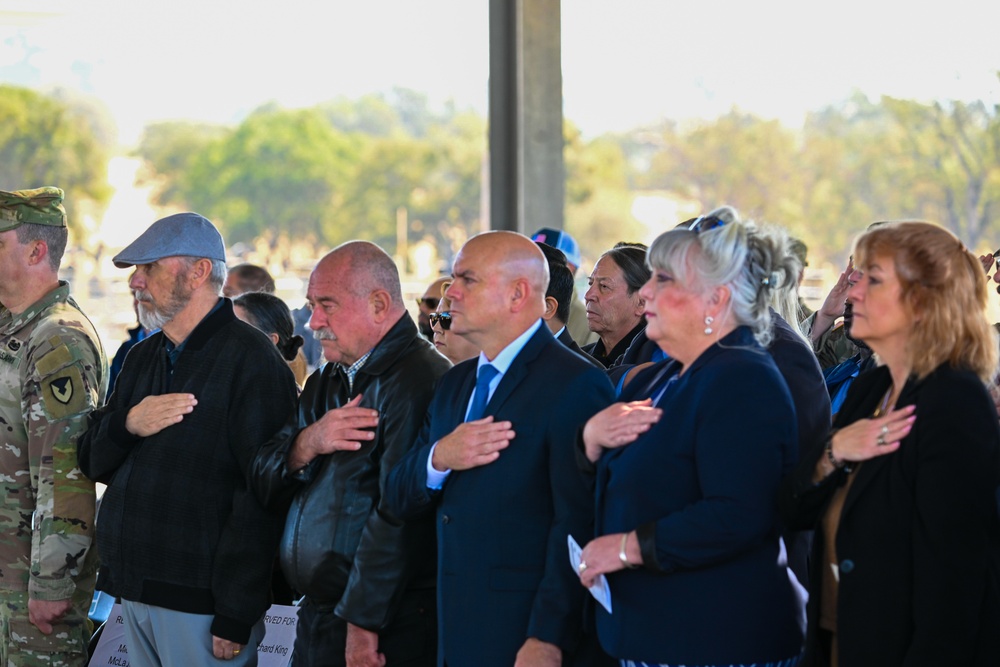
x=835 y=347
x=63 y=386
x=832 y=346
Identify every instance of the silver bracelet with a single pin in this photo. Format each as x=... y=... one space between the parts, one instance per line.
x=621 y=554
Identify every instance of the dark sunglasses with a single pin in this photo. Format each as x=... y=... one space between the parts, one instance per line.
x=706 y=223
x=443 y=318
x=428 y=301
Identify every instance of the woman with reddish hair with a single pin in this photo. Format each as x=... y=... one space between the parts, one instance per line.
x=903 y=494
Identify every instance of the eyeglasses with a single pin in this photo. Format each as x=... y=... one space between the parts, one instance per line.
x=429 y=301
x=706 y=223
x=443 y=318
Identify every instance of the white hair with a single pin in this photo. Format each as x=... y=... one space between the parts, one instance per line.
x=731 y=254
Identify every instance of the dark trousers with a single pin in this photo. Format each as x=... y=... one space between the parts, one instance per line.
x=410 y=640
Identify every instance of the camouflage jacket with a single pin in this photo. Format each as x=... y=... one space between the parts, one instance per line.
x=52 y=372
x=833 y=346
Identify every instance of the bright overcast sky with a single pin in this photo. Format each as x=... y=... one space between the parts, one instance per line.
x=625 y=62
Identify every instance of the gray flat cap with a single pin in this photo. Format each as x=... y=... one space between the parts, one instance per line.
x=181 y=234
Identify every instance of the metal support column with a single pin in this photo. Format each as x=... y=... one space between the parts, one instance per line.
x=527 y=173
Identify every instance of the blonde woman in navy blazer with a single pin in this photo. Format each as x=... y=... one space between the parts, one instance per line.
x=688 y=466
x=907 y=482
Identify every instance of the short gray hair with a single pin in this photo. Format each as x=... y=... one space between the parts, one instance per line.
x=217 y=277
x=734 y=255
x=55 y=240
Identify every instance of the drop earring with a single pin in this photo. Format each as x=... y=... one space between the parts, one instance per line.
x=708 y=325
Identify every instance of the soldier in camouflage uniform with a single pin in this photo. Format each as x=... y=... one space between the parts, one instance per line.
x=829 y=340
x=52 y=367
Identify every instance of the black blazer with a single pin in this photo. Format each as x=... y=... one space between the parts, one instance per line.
x=798 y=365
x=919 y=538
x=503 y=563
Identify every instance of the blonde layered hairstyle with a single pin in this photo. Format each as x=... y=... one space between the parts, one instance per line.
x=943 y=286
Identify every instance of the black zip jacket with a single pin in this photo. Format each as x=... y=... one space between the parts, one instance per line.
x=178 y=526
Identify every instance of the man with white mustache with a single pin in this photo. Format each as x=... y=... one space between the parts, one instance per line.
x=368 y=579
x=183 y=541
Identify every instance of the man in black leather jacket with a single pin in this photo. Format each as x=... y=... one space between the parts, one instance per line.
x=368 y=578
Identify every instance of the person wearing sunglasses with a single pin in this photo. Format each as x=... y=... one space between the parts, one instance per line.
x=426 y=305
x=456 y=348
x=687 y=466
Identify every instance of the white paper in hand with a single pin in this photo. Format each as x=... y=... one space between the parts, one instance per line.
x=599 y=589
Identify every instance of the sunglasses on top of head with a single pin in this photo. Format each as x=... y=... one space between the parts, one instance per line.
x=429 y=301
x=444 y=319
x=706 y=223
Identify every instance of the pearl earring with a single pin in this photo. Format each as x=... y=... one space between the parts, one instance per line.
x=708 y=325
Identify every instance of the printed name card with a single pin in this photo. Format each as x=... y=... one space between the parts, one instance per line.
x=274 y=651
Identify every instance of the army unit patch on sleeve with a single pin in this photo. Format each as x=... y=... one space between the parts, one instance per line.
x=62 y=389
x=64 y=393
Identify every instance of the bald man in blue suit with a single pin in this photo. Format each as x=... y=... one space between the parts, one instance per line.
x=496 y=460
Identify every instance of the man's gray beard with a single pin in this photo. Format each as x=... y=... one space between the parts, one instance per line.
x=151 y=317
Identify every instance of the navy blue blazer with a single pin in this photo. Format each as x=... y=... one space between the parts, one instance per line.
x=699 y=488
x=503 y=564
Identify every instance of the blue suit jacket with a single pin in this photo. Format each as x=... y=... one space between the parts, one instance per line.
x=700 y=490
x=503 y=565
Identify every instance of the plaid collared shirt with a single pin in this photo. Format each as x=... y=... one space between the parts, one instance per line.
x=352 y=370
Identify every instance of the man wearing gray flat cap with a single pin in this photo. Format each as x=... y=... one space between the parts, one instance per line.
x=52 y=374
x=183 y=542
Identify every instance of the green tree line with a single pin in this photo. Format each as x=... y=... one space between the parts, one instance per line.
x=849 y=165
x=330 y=173
x=347 y=168
x=56 y=139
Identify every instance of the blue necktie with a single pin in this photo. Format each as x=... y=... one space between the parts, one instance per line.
x=482 y=394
